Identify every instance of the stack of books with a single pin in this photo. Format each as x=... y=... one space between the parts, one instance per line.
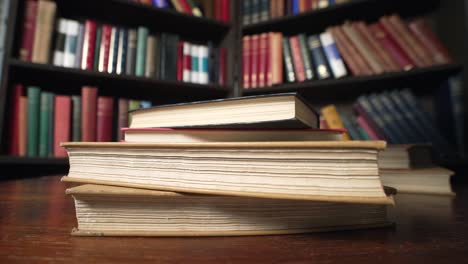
x=242 y=166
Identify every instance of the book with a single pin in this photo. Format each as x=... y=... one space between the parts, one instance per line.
x=122 y=115
x=335 y=171
x=29 y=25
x=131 y=52
x=79 y=46
x=23 y=127
x=298 y=63
x=288 y=61
x=435 y=180
x=262 y=60
x=171 y=135
x=89 y=45
x=13 y=147
x=246 y=61
x=34 y=104
x=122 y=51
x=337 y=65
x=71 y=41
x=113 y=50
x=356 y=64
x=89 y=113
x=44 y=28
x=331 y=116
x=62 y=121
x=290 y=111
x=104 y=119
x=274 y=65
x=76 y=118
x=59 y=49
x=97 y=48
x=150 y=69
x=308 y=67
x=406 y=156
x=159 y=213
x=44 y=123
x=104 y=47
x=317 y=56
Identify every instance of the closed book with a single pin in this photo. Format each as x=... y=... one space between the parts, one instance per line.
x=187 y=61
x=97 y=48
x=222 y=67
x=15 y=112
x=366 y=110
x=194 y=77
x=297 y=59
x=99 y=212
x=255 y=48
x=169 y=61
x=150 y=67
x=305 y=56
x=272 y=12
x=44 y=123
x=141 y=51
x=76 y=118
x=203 y=64
x=62 y=122
x=23 y=127
x=29 y=25
x=333 y=119
x=246 y=62
x=34 y=104
x=79 y=46
x=346 y=52
x=122 y=117
x=264 y=10
x=89 y=113
x=364 y=49
x=104 y=119
x=275 y=62
x=318 y=58
x=391 y=46
x=122 y=52
x=113 y=50
x=71 y=41
x=337 y=65
x=317 y=167
x=104 y=49
x=59 y=49
x=262 y=59
x=430 y=41
x=44 y=28
x=180 y=61
x=288 y=60
x=370 y=132
x=251 y=112
x=246 y=12
x=89 y=45
x=131 y=52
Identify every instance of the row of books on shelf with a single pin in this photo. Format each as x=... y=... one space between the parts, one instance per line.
x=40 y=120
x=254 y=11
x=397 y=117
x=354 y=48
x=89 y=45
x=214 y=9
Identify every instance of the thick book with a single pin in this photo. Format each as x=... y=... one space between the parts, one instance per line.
x=34 y=104
x=255 y=48
x=141 y=51
x=89 y=113
x=435 y=180
x=168 y=57
x=104 y=119
x=262 y=60
x=171 y=135
x=406 y=156
x=150 y=64
x=277 y=111
x=62 y=120
x=317 y=56
x=308 y=67
x=335 y=171
x=29 y=25
x=158 y=213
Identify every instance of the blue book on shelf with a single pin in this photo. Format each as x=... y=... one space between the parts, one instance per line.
x=365 y=103
x=160 y=3
x=388 y=118
x=295 y=7
x=317 y=56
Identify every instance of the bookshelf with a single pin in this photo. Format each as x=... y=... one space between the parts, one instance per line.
x=68 y=81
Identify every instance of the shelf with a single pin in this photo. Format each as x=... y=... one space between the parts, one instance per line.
x=421 y=81
x=14 y=160
x=131 y=14
x=69 y=81
x=317 y=20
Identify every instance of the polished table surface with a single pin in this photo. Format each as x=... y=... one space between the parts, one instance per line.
x=36 y=218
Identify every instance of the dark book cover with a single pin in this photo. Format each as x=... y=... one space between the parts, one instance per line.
x=318 y=58
x=104 y=119
x=34 y=94
x=131 y=52
x=308 y=67
x=88 y=112
x=288 y=61
x=44 y=120
x=76 y=118
x=97 y=48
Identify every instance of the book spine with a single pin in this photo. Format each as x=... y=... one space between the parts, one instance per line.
x=44 y=125
x=297 y=60
x=262 y=60
x=140 y=51
x=309 y=73
x=222 y=66
x=352 y=130
x=160 y=3
x=29 y=25
x=104 y=48
x=255 y=15
x=337 y=65
x=225 y=9
x=364 y=108
x=187 y=62
x=79 y=46
x=367 y=128
x=122 y=117
x=89 y=45
x=131 y=52
x=246 y=12
x=15 y=120
x=457 y=110
x=71 y=41
x=180 y=61
x=97 y=48
x=288 y=61
x=170 y=62
x=246 y=63
x=195 y=64
x=122 y=51
x=295 y=7
x=333 y=119
x=318 y=57
x=255 y=48
x=62 y=121
x=76 y=118
x=50 y=148
x=346 y=53
x=88 y=111
x=150 y=55
x=59 y=51
x=23 y=127
x=203 y=64
x=391 y=132
x=276 y=58
x=389 y=44
x=264 y=10
x=113 y=48
x=104 y=119
x=43 y=32
x=33 y=120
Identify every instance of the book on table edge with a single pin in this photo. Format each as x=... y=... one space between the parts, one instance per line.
x=176 y=214
x=302 y=116
x=406 y=156
x=322 y=169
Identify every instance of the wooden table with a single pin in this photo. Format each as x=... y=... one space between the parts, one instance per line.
x=36 y=218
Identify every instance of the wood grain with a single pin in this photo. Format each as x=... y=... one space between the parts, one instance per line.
x=36 y=219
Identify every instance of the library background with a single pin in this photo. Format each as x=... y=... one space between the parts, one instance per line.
x=369 y=71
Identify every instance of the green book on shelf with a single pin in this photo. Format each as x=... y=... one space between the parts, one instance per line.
x=34 y=94
x=76 y=118
x=50 y=148
x=141 y=51
x=44 y=123
x=97 y=47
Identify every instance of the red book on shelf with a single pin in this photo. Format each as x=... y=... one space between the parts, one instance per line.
x=218 y=9
x=89 y=42
x=356 y=55
x=222 y=66
x=104 y=48
x=432 y=43
x=187 y=61
x=369 y=122
x=391 y=46
x=185 y=5
x=254 y=47
x=297 y=59
x=225 y=16
x=88 y=113
x=180 y=61
x=362 y=122
x=104 y=118
x=262 y=60
x=246 y=63
x=275 y=59
x=29 y=26
x=268 y=60
x=15 y=119
x=122 y=118
x=23 y=126
x=62 y=121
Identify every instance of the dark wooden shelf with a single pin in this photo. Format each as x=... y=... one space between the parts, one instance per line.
x=422 y=81
x=317 y=20
x=131 y=14
x=69 y=81
x=14 y=160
